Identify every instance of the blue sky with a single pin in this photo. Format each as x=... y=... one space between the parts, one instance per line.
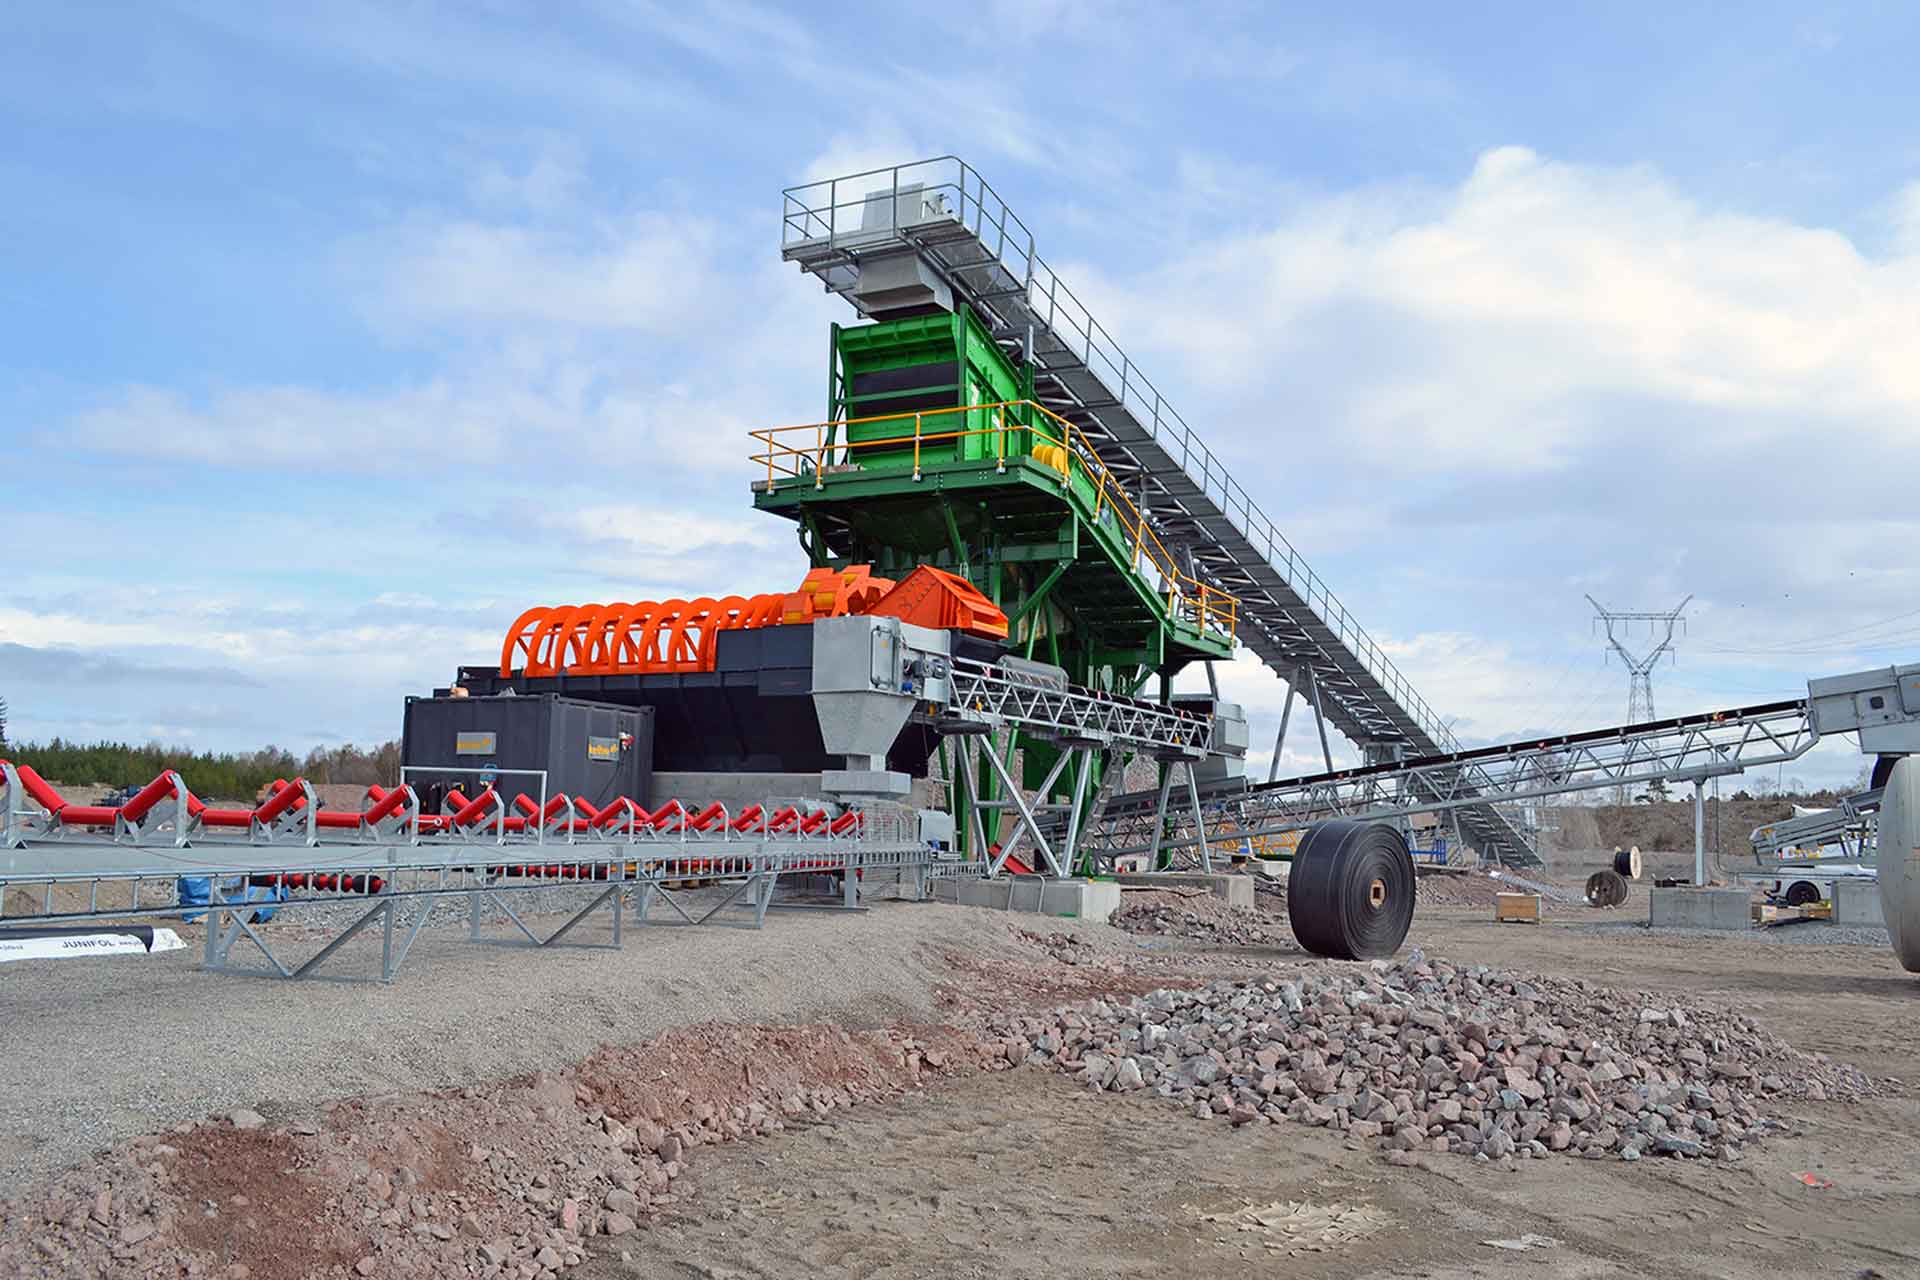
x=331 y=337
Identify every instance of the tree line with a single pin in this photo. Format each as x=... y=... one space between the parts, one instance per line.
x=222 y=775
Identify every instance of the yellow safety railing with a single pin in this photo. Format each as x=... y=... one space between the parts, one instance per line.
x=809 y=451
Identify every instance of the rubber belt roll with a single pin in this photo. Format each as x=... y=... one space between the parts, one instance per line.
x=1350 y=894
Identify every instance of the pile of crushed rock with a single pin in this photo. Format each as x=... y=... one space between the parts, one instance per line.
x=1202 y=917
x=1426 y=1056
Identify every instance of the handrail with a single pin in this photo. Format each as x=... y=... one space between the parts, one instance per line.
x=830 y=445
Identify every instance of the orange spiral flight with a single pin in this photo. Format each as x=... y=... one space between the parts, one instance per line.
x=655 y=636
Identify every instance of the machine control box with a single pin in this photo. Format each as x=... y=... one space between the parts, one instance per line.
x=596 y=751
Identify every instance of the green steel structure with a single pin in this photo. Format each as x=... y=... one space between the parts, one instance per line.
x=934 y=451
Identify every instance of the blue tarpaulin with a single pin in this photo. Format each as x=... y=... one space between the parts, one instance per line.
x=196 y=891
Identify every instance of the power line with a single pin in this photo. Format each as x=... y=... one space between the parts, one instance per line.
x=1796 y=645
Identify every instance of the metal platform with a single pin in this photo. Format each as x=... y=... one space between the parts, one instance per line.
x=944 y=216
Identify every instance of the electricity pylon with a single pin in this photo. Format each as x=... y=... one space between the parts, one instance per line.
x=1640 y=666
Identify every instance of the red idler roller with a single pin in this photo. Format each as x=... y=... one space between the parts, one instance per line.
x=39 y=790
x=143 y=800
x=621 y=809
x=814 y=821
x=669 y=817
x=384 y=805
x=226 y=817
x=87 y=815
x=706 y=819
x=752 y=818
x=321 y=882
x=473 y=810
x=281 y=797
x=844 y=823
x=585 y=816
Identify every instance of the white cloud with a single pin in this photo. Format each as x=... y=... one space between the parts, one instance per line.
x=1479 y=326
x=648 y=272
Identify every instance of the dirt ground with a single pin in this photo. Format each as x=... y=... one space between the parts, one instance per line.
x=1025 y=1173
x=1028 y=1174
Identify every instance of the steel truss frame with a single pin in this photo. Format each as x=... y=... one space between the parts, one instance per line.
x=986 y=696
x=1850 y=823
x=944 y=213
x=1683 y=749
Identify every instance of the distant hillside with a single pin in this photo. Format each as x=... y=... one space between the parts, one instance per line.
x=1668 y=826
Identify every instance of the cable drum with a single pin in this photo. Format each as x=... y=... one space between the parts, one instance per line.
x=1350 y=894
x=1626 y=862
x=1606 y=888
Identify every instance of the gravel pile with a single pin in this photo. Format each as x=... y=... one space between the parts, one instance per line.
x=1460 y=889
x=1202 y=917
x=1430 y=1057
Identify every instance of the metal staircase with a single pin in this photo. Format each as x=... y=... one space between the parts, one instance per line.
x=937 y=225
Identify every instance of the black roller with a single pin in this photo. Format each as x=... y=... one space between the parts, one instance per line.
x=1627 y=862
x=1350 y=892
x=1606 y=888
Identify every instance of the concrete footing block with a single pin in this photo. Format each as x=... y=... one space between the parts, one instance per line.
x=1076 y=899
x=1857 y=902
x=1236 y=889
x=1688 y=908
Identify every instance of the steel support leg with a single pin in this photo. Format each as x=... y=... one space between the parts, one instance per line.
x=1199 y=823
x=1699 y=832
x=1160 y=816
x=1280 y=738
x=1073 y=814
x=1320 y=719
x=612 y=892
x=321 y=956
x=406 y=945
x=1026 y=816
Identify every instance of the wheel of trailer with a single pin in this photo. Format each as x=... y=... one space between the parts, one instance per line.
x=1350 y=892
x=1802 y=892
x=1626 y=862
x=1607 y=888
x=1882 y=770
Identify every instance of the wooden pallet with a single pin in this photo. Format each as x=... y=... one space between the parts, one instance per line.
x=1769 y=913
x=1516 y=908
